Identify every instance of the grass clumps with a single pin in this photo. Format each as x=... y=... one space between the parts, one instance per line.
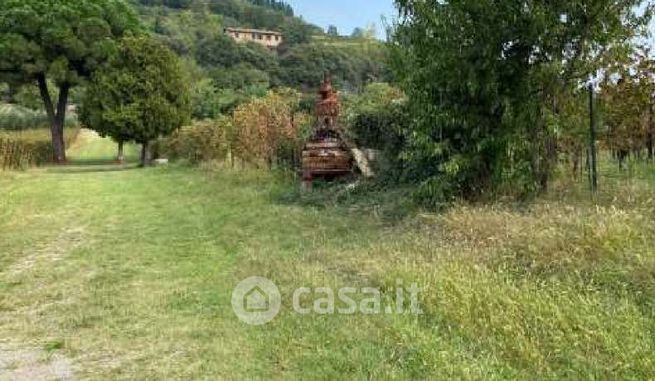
x=562 y=288
x=135 y=271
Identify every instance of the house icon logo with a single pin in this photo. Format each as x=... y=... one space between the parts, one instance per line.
x=256 y=301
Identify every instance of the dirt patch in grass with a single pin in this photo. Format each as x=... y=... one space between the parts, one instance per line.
x=18 y=363
x=50 y=252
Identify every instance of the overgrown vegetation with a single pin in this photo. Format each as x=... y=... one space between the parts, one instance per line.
x=485 y=83
x=526 y=274
x=267 y=132
x=560 y=289
x=202 y=142
x=30 y=147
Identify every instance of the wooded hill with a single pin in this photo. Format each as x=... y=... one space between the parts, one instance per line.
x=226 y=71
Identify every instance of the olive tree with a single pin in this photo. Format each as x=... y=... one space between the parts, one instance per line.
x=140 y=95
x=59 y=42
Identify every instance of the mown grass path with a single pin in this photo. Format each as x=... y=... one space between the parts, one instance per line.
x=130 y=271
x=114 y=272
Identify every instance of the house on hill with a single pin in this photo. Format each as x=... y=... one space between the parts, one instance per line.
x=267 y=38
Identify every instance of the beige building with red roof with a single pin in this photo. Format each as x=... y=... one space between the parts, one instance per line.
x=268 y=38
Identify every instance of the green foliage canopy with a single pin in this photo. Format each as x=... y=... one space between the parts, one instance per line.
x=141 y=95
x=480 y=74
x=62 y=41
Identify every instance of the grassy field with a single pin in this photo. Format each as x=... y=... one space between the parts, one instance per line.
x=120 y=273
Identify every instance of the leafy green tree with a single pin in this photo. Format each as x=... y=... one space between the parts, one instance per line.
x=332 y=31
x=204 y=100
x=480 y=74
x=297 y=32
x=61 y=42
x=352 y=66
x=141 y=95
x=358 y=33
x=628 y=105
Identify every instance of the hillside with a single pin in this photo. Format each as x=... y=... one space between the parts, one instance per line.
x=226 y=72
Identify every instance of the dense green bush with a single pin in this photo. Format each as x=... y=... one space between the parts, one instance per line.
x=141 y=95
x=377 y=118
x=484 y=77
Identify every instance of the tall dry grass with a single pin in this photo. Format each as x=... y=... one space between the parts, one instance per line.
x=23 y=149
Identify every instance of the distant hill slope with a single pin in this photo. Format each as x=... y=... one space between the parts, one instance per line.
x=236 y=71
x=259 y=14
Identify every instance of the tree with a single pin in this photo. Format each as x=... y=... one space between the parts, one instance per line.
x=358 y=33
x=371 y=31
x=351 y=66
x=60 y=42
x=297 y=32
x=332 y=31
x=140 y=95
x=629 y=107
x=481 y=75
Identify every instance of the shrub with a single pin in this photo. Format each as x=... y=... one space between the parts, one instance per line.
x=270 y=130
x=376 y=118
x=206 y=140
x=263 y=132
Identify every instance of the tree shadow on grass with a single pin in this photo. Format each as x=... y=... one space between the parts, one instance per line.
x=91 y=166
x=100 y=161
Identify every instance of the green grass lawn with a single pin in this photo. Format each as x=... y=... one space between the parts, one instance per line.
x=128 y=273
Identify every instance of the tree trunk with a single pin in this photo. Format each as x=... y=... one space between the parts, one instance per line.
x=593 y=162
x=57 y=117
x=121 y=152
x=11 y=93
x=145 y=154
x=650 y=142
x=544 y=154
